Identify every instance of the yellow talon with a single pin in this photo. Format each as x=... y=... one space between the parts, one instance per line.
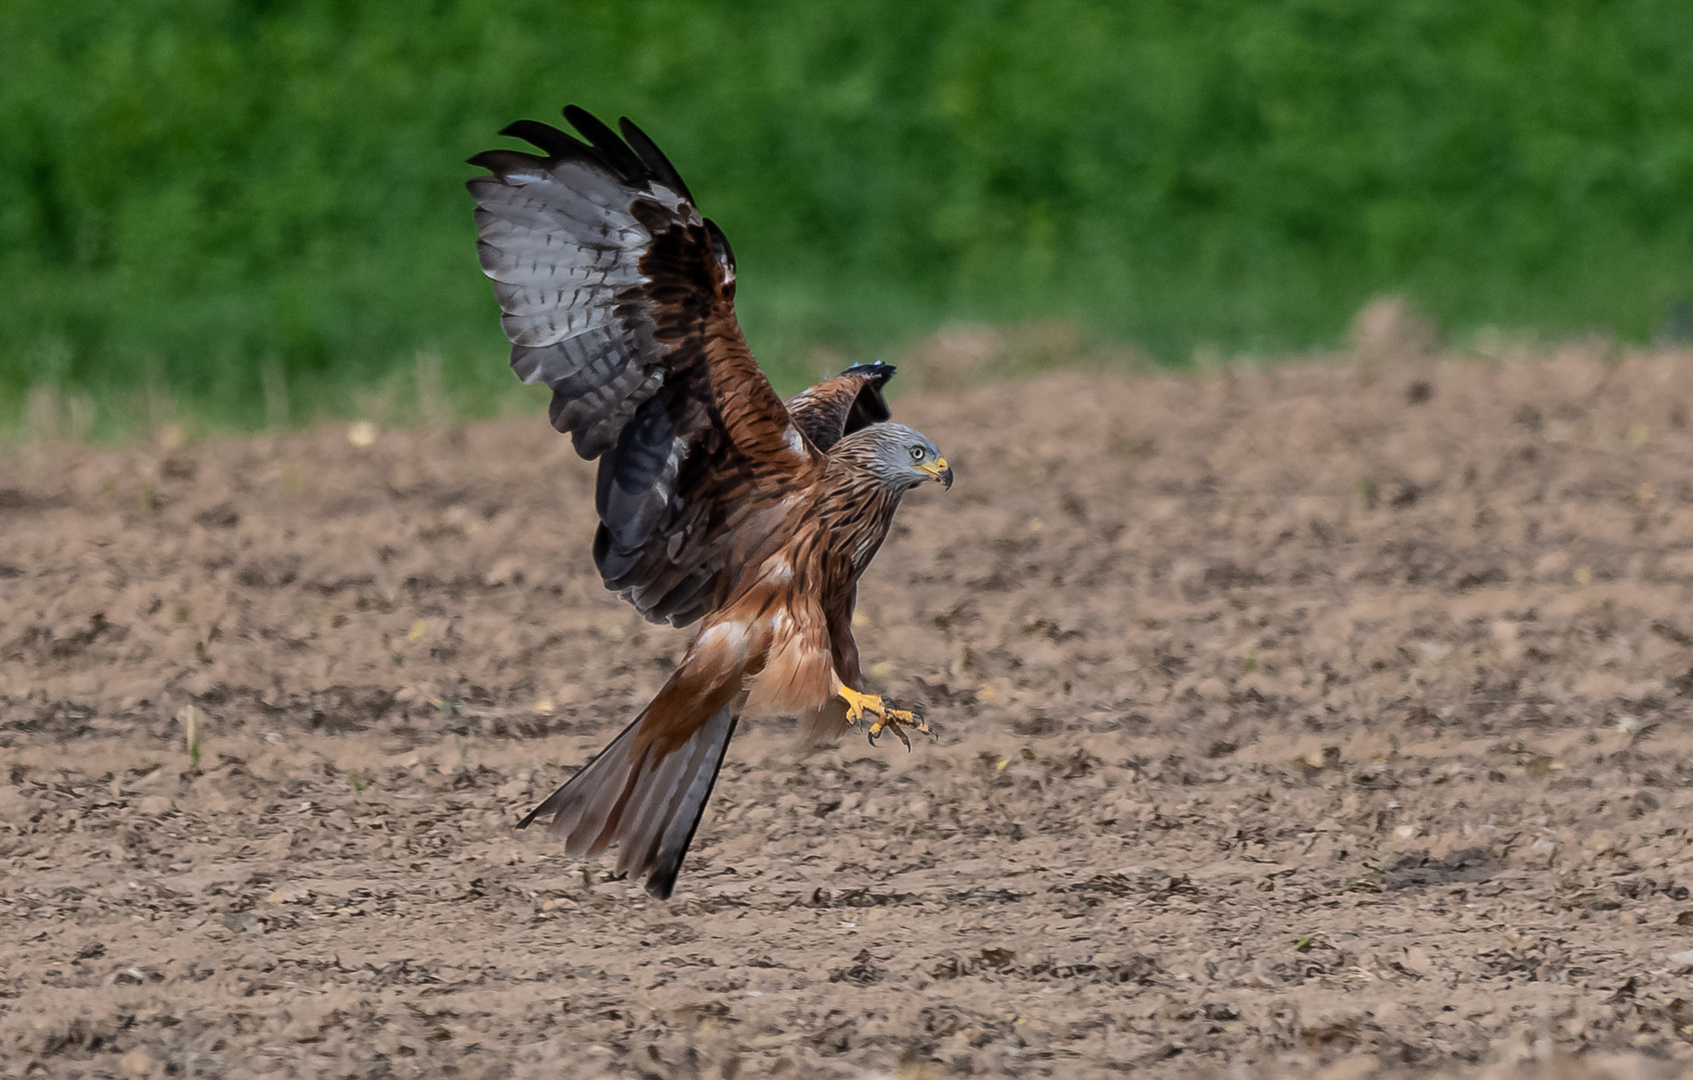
x=897 y=720
x=858 y=704
x=887 y=717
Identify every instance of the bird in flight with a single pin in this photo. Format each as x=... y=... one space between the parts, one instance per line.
x=718 y=503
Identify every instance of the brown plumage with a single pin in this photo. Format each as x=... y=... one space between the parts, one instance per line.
x=716 y=501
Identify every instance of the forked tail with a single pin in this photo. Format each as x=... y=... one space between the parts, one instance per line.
x=646 y=796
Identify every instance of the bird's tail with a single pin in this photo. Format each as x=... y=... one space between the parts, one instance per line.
x=646 y=793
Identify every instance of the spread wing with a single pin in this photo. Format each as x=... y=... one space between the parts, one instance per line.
x=842 y=404
x=618 y=295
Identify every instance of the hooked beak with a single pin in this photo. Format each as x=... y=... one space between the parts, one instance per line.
x=939 y=471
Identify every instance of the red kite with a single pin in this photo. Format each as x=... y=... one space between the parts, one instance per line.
x=716 y=501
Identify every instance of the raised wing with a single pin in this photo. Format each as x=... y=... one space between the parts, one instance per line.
x=842 y=404
x=618 y=295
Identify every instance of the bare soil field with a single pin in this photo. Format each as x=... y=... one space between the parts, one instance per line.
x=1332 y=718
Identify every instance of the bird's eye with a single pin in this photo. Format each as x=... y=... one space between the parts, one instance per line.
x=916 y=453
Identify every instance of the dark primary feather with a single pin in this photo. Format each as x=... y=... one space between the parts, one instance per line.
x=618 y=294
x=556 y=143
x=655 y=160
x=614 y=149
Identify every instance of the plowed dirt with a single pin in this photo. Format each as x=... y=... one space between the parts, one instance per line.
x=1316 y=716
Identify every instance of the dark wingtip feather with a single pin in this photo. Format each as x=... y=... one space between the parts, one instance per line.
x=654 y=157
x=556 y=143
x=877 y=371
x=634 y=161
x=502 y=162
x=869 y=407
x=613 y=150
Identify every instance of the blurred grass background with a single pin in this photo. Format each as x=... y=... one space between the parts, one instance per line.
x=251 y=211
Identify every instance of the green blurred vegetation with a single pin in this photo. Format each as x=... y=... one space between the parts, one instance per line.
x=203 y=198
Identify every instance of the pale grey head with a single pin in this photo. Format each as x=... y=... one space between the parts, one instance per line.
x=897 y=456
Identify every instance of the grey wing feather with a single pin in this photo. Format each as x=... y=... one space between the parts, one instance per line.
x=562 y=245
x=609 y=281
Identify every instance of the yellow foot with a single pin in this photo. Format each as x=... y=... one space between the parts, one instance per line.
x=897 y=720
x=858 y=704
x=887 y=717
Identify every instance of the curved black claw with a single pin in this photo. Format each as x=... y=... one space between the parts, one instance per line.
x=897 y=720
x=871 y=735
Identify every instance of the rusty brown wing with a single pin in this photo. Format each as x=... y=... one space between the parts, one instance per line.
x=619 y=295
x=842 y=404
